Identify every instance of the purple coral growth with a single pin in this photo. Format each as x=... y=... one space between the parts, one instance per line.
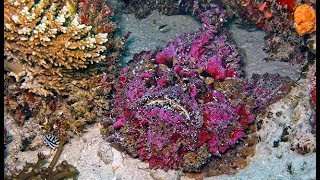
x=201 y=51
x=167 y=115
x=163 y=118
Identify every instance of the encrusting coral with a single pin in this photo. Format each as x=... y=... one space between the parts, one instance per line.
x=183 y=105
x=305 y=19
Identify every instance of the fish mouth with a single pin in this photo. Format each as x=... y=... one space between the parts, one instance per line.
x=170 y=104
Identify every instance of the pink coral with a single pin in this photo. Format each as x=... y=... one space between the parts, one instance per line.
x=167 y=115
x=165 y=55
x=201 y=51
x=164 y=122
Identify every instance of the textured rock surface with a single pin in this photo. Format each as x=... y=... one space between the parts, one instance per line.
x=252 y=43
x=274 y=159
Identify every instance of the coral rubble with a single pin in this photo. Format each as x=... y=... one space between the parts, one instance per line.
x=187 y=103
x=37 y=171
x=143 y=8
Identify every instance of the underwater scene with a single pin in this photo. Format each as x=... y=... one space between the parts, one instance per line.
x=159 y=89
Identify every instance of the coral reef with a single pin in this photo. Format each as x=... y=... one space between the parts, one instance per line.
x=22 y=138
x=37 y=171
x=49 y=44
x=265 y=14
x=182 y=105
x=98 y=14
x=283 y=43
x=59 y=70
x=305 y=19
x=57 y=114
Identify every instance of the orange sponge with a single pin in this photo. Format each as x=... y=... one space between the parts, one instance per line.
x=305 y=19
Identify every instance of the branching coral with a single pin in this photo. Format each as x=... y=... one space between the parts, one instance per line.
x=36 y=171
x=49 y=44
x=183 y=105
x=97 y=14
x=63 y=68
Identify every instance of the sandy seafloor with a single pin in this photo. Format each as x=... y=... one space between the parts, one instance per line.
x=95 y=159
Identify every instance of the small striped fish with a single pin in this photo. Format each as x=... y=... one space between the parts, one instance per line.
x=51 y=140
